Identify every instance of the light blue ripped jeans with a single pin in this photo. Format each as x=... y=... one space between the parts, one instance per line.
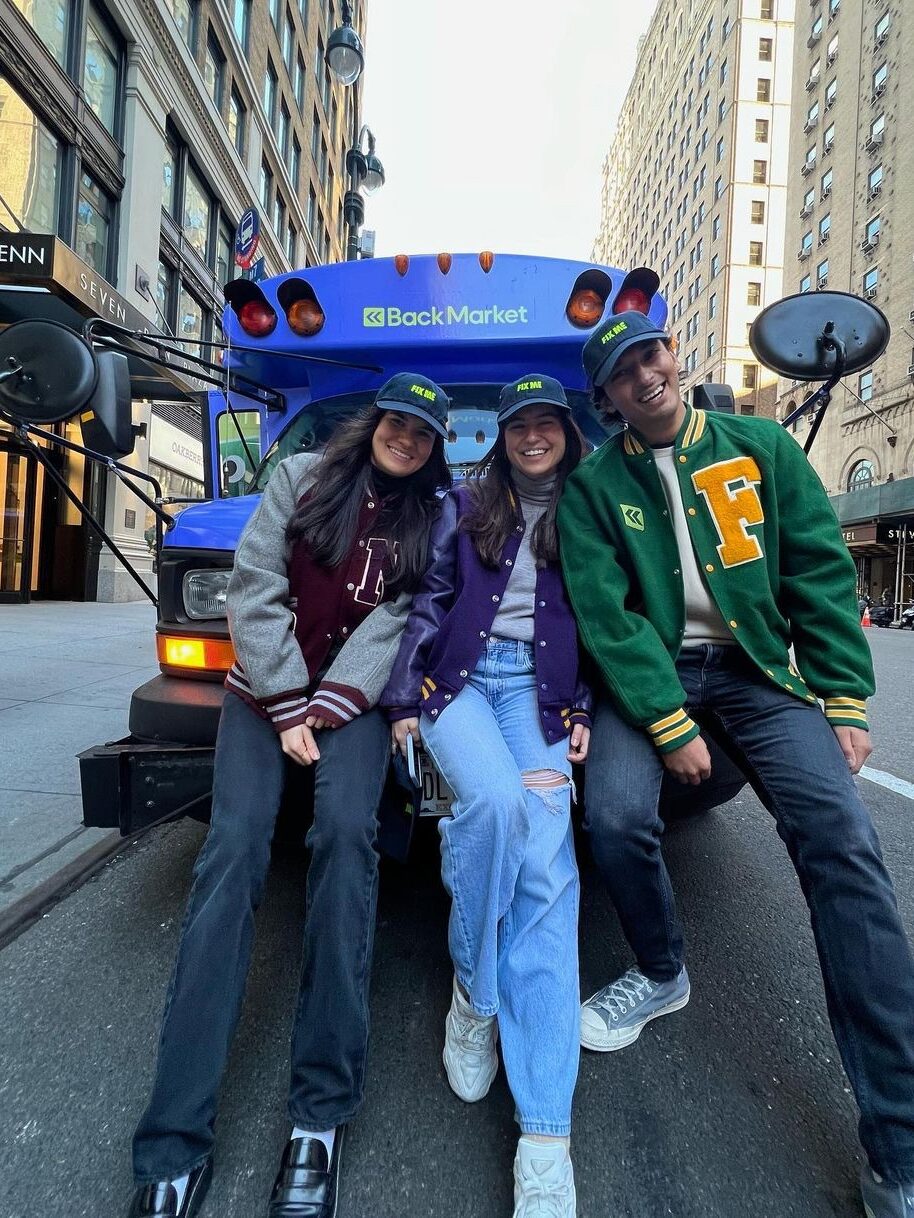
x=508 y=863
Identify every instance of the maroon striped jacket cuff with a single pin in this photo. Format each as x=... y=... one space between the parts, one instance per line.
x=338 y=704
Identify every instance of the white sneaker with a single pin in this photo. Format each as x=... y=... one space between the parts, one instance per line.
x=470 y=1057
x=543 y=1180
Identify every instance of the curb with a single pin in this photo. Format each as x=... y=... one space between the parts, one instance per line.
x=25 y=912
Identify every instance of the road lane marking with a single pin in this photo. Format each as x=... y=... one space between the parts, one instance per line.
x=898 y=785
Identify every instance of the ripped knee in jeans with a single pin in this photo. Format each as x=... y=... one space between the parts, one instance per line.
x=550 y=786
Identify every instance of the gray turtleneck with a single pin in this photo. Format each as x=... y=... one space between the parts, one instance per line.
x=514 y=619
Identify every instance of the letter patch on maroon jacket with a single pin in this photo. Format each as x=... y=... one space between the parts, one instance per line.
x=379 y=554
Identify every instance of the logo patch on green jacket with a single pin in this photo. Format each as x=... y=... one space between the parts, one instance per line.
x=633 y=516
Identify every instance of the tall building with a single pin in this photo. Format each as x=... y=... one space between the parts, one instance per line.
x=133 y=136
x=695 y=181
x=850 y=227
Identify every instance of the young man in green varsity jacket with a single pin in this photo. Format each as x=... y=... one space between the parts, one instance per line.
x=698 y=548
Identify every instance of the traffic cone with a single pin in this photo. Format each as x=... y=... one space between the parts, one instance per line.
x=865 y=620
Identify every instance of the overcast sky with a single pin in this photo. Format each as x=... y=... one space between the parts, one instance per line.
x=493 y=119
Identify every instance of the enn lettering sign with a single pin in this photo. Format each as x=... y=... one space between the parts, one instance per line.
x=30 y=254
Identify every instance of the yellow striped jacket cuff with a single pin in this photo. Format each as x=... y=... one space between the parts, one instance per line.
x=673 y=731
x=846 y=712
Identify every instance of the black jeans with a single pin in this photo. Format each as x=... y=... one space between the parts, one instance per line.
x=330 y=1029
x=798 y=771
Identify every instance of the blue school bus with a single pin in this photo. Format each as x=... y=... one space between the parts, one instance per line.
x=307 y=349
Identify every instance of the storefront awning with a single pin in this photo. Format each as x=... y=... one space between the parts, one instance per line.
x=42 y=278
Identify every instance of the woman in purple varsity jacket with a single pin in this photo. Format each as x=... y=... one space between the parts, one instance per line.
x=490 y=654
x=318 y=598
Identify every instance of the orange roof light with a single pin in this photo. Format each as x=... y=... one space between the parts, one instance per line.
x=305 y=317
x=444 y=263
x=486 y=258
x=585 y=308
x=401 y=263
x=201 y=655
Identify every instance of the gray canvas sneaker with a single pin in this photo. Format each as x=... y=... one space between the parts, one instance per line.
x=884 y=1200
x=470 y=1057
x=614 y=1016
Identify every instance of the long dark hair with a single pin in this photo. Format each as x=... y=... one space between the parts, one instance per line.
x=328 y=519
x=493 y=513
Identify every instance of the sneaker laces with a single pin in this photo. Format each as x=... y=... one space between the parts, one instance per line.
x=472 y=1034
x=623 y=995
x=551 y=1196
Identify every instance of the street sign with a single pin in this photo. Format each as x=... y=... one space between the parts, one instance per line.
x=247 y=238
x=257 y=270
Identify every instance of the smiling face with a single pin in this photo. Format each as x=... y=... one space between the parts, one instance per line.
x=644 y=388
x=535 y=440
x=401 y=444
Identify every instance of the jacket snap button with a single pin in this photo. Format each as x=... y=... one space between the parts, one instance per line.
x=496 y=599
x=682 y=460
x=329 y=636
x=345 y=630
x=666 y=513
x=676 y=572
x=350 y=587
x=361 y=545
x=519 y=529
x=434 y=712
x=508 y=562
x=464 y=673
x=542 y=642
x=542 y=604
x=482 y=634
x=733 y=625
x=692 y=512
x=370 y=504
x=447 y=697
x=709 y=566
x=544 y=687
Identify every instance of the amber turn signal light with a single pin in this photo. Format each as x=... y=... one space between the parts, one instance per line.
x=201 y=655
x=305 y=317
x=585 y=308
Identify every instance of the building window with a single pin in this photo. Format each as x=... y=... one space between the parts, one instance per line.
x=237 y=120
x=806 y=283
x=241 y=22
x=763 y=89
x=865 y=386
x=724 y=72
x=190 y=319
x=718 y=188
x=767 y=10
x=270 y=82
x=170 y=179
x=759 y=172
x=831 y=51
x=93 y=224
x=715 y=228
x=295 y=164
x=185 y=15
x=750 y=376
x=101 y=70
x=822 y=273
x=719 y=151
x=880 y=79
x=283 y=133
x=312 y=210
x=51 y=22
x=225 y=253
x=712 y=306
x=715 y=265
x=877 y=129
x=827 y=178
x=881 y=29
x=753 y=293
x=165 y=292
x=214 y=70
x=279 y=215
x=761 y=130
x=291 y=243
x=806 y=241
x=755 y=253
x=275 y=12
x=861 y=476
x=266 y=186
x=809 y=200
x=31 y=165
x=758 y=211
x=871 y=280
x=873 y=230
x=828 y=138
x=300 y=82
x=874 y=180
x=825 y=227
x=764 y=49
x=198 y=211
x=288 y=43
x=712 y=343
x=831 y=93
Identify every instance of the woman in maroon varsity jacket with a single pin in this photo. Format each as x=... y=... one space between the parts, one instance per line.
x=490 y=655
x=319 y=594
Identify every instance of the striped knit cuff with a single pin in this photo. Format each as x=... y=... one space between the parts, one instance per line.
x=846 y=712
x=287 y=710
x=338 y=704
x=570 y=718
x=672 y=732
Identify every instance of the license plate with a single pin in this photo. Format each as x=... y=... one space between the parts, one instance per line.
x=437 y=796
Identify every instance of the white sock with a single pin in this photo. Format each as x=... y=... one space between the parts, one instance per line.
x=327 y=1137
x=181 y=1185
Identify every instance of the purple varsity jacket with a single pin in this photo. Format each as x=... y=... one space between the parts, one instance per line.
x=452 y=616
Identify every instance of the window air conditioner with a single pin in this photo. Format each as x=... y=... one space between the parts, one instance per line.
x=870 y=293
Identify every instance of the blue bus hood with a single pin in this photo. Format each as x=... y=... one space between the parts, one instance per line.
x=212 y=525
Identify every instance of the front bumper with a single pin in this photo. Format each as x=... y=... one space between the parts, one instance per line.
x=175 y=710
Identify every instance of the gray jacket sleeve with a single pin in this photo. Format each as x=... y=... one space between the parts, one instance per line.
x=353 y=682
x=261 y=618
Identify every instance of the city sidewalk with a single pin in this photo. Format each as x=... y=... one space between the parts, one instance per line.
x=67 y=670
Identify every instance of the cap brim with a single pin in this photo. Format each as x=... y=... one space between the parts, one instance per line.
x=506 y=414
x=409 y=408
x=601 y=374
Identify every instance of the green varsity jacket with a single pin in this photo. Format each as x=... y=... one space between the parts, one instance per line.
x=767 y=541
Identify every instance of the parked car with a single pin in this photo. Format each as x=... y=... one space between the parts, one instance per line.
x=907 y=618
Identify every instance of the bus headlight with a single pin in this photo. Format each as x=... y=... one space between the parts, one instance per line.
x=204 y=593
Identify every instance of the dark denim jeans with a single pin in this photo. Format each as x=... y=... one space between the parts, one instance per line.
x=330 y=1029
x=793 y=760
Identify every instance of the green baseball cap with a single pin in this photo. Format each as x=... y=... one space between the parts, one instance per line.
x=612 y=338
x=532 y=389
x=414 y=394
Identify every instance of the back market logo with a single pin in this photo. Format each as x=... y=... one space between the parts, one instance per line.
x=377 y=317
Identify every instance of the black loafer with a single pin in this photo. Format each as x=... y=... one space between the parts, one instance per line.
x=306 y=1185
x=160 y=1200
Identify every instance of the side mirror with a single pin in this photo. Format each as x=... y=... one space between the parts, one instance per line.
x=814 y=335
x=47 y=373
x=107 y=420
x=714 y=397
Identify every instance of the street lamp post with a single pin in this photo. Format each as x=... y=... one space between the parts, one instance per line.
x=345 y=58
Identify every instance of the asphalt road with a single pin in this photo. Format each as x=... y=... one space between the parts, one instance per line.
x=734 y=1108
